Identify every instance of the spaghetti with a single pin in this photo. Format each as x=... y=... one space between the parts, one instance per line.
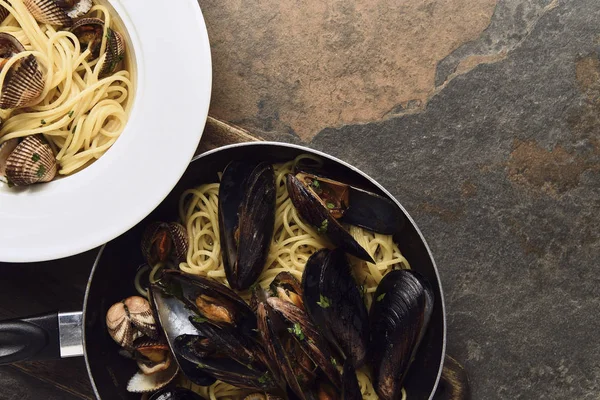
x=80 y=113
x=292 y=244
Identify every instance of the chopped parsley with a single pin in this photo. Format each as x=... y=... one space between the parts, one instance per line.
x=380 y=297
x=316 y=184
x=324 y=302
x=263 y=379
x=330 y=206
x=43 y=122
x=323 y=227
x=74 y=129
x=297 y=330
x=41 y=171
x=35 y=157
x=333 y=361
x=199 y=319
x=71 y=113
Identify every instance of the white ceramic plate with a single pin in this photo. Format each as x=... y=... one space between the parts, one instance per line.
x=79 y=212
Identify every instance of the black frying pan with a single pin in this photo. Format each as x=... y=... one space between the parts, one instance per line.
x=112 y=277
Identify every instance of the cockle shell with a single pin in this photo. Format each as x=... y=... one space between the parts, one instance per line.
x=57 y=12
x=153 y=356
x=32 y=161
x=3 y=13
x=115 y=52
x=161 y=239
x=129 y=319
x=6 y=150
x=142 y=383
x=89 y=31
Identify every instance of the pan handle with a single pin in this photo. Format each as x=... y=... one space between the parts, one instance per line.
x=454 y=383
x=41 y=337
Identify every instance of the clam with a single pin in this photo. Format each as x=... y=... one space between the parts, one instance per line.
x=162 y=239
x=129 y=319
x=211 y=331
x=3 y=13
x=246 y=220
x=399 y=318
x=57 y=12
x=90 y=32
x=6 y=150
x=31 y=161
x=143 y=383
x=152 y=356
x=175 y=394
x=291 y=339
x=115 y=52
x=335 y=305
x=24 y=82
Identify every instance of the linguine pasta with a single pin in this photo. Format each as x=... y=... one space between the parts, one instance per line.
x=80 y=114
x=292 y=244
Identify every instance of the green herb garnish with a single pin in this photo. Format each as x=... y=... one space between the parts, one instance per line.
x=263 y=379
x=74 y=129
x=41 y=171
x=330 y=205
x=35 y=157
x=380 y=297
x=333 y=361
x=316 y=184
x=324 y=302
x=43 y=122
x=323 y=227
x=297 y=330
x=199 y=319
x=71 y=113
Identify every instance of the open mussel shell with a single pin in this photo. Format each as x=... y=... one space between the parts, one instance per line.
x=57 y=12
x=115 y=52
x=246 y=219
x=31 y=161
x=90 y=32
x=175 y=394
x=334 y=303
x=24 y=83
x=162 y=240
x=143 y=383
x=312 y=209
x=355 y=206
x=399 y=317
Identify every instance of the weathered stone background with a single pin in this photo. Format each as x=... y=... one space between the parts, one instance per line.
x=482 y=118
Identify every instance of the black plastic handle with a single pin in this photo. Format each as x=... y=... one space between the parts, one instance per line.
x=32 y=338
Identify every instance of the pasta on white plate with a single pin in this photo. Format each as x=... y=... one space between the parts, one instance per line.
x=85 y=88
x=292 y=244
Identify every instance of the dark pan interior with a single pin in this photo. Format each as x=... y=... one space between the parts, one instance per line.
x=112 y=279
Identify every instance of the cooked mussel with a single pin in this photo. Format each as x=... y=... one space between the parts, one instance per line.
x=129 y=320
x=211 y=331
x=399 y=318
x=316 y=212
x=175 y=394
x=335 y=304
x=292 y=341
x=57 y=12
x=246 y=220
x=162 y=240
x=24 y=82
x=30 y=161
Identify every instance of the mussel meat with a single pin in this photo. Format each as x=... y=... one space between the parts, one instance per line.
x=129 y=320
x=335 y=305
x=24 y=82
x=175 y=394
x=399 y=318
x=162 y=240
x=292 y=341
x=316 y=212
x=246 y=220
x=57 y=12
x=211 y=331
x=30 y=161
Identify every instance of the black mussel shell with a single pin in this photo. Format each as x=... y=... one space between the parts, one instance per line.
x=175 y=394
x=335 y=304
x=221 y=367
x=399 y=317
x=287 y=287
x=350 y=386
x=246 y=219
x=313 y=211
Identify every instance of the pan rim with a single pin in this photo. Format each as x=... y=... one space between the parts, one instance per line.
x=331 y=158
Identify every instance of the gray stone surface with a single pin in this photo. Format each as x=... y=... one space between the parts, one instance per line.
x=501 y=173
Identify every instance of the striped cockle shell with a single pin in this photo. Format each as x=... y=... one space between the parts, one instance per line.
x=6 y=150
x=32 y=161
x=90 y=32
x=162 y=239
x=130 y=319
x=57 y=12
x=3 y=13
x=115 y=52
x=152 y=356
x=142 y=383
